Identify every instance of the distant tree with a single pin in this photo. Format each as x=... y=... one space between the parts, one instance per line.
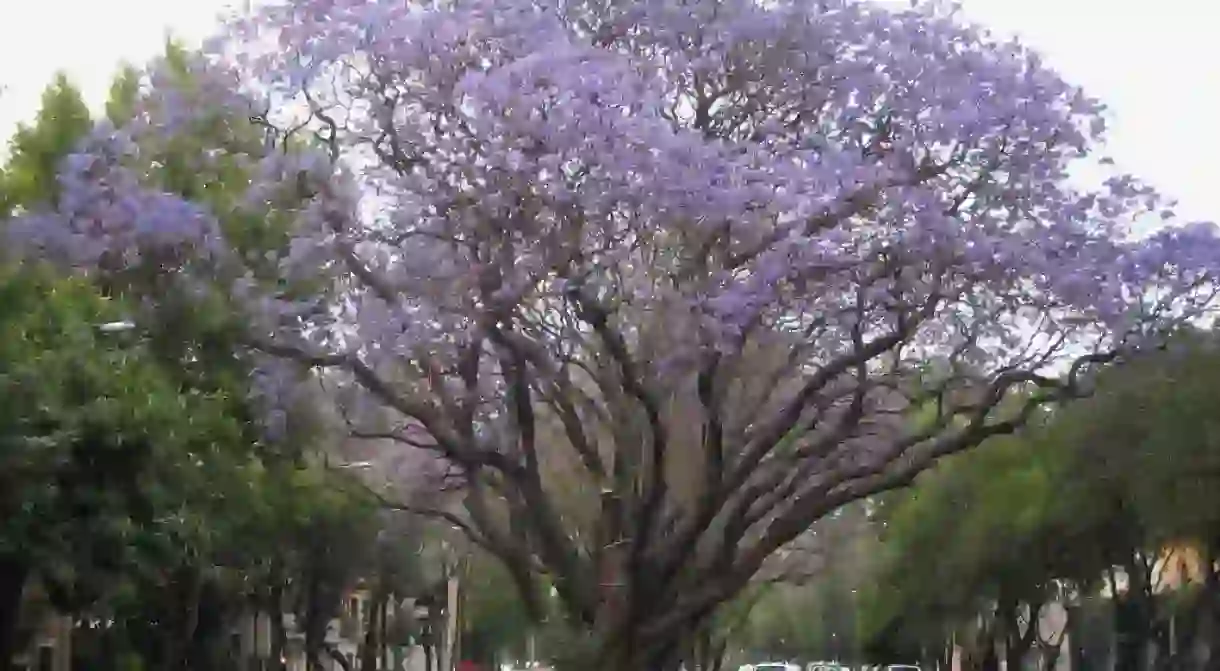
x=1145 y=449
x=978 y=547
x=35 y=151
x=806 y=602
x=1086 y=501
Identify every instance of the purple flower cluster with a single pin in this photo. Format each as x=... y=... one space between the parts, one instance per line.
x=107 y=220
x=712 y=164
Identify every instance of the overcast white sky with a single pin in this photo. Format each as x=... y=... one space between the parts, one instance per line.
x=1157 y=64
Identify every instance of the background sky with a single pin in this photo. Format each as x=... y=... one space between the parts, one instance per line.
x=1157 y=64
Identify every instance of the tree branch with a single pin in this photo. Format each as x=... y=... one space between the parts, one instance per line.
x=897 y=467
x=592 y=313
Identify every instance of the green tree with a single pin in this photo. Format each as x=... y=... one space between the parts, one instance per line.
x=974 y=551
x=218 y=555
x=1145 y=449
x=35 y=150
x=97 y=444
x=1085 y=501
x=807 y=606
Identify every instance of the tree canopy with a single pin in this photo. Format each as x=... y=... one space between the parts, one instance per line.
x=1098 y=497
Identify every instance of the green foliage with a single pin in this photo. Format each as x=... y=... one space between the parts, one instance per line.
x=492 y=608
x=813 y=612
x=133 y=471
x=124 y=93
x=1130 y=470
x=1152 y=437
x=35 y=151
x=813 y=621
x=1004 y=527
x=96 y=443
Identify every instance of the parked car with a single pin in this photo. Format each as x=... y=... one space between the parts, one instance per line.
x=770 y=666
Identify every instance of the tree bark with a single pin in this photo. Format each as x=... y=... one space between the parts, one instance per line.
x=178 y=630
x=275 y=610
x=1017 y=643
x=626 y=648
x=1134 y=615
x=211 y=626
x=315 y=623
x=14 y=574
x=370 y=651
x=1076 y=646
x=706 y=648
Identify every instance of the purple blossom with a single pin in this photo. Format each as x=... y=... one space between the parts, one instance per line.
x=106 y=219
x=832 y=168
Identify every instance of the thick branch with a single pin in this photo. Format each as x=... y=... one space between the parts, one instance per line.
x=592 y=313
x=770 y=433
x=713 y=425
x=448 y=442
x=897 y=468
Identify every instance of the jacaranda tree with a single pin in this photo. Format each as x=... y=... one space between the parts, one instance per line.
x=703 y=255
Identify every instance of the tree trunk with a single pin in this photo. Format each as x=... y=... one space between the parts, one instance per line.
x=13 y=576
x=370 y=651
x=315 y=623
x=1077 y=633
x=710 y=649
x=187 y=586
x=211 y=626
x=1017 y=643
x=1129 y=637
x=255 y=607
x=1134 y=615
x=986 y=658
x=702 y=649
x=275 y=611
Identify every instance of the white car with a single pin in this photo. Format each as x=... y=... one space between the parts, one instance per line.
x=770 y=666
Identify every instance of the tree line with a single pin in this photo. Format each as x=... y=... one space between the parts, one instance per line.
x=1105 y=509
